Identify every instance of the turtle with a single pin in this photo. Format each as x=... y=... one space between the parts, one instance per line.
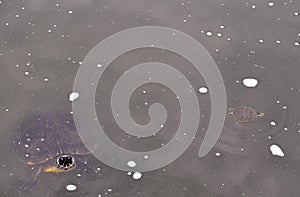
x=245 y=113
x=50 y=142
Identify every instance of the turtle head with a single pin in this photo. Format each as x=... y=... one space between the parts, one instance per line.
x=260 y=114
x=64 y=163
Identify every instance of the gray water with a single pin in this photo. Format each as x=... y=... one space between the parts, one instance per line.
x=259 y=40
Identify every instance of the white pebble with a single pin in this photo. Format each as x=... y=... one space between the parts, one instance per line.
x=273 y=123
x=71 y=187
x=203 y=90
x=271 y=4
x=73 y=96
x=209 y=33
x=250 y=82
x=131 y=164
x=276 y=150
x=137 y=175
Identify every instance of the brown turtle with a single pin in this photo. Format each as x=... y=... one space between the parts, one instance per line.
x=245 y=113
x=50 y=142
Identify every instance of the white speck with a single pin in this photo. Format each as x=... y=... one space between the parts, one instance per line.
x=144 y=92
x=284 y=107
x=209 y=33
x=285 y=128
x=73 y=96
x=42 y=139
x=278 y=101
x=146 y=157
x=278 y=41
x=296 y=13
x=219 y=34
x=46 y=79
x=273 y=123
x=99 y=65
x=222 y=26
x=26 y=145
x=71 y=187
x=49 y=30
x=137 y=175
x=271 y=4
x=276 y=150
x=129 y=173
x=261 y=41
x=131 y=164
x=17 y=16
x=78 y=175
x=250 y=82
x=109 y=190
x=70 y=11
x=26 y=73
x=298 y=34
x=253 y=6
x=228 y=39
x=26 y=155
x=203 y=90
x=297 y=43
x=218 y=154
x=269 y=137
x=6 y=109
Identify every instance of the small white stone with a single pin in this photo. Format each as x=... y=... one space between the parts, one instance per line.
x=73 y=96
x=71 y=187
x=276 y=150
x=203 y=90
x=137 y=175
x=209 y=33
x=131 y=164
x=250 y=82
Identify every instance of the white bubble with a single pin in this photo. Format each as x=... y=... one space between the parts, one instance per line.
x=46 y=79
x=26 y=73
x=278 y=41
x=99 y=65
x=131 y=164
x=253 y=6
x=297 y=43
x=129 y=173
x=218 y=154
x=146 y=157
x=276 y=150
x=219 y=34
x=222 y=26
x=137 y=175
x=209 y=33
x=296 y=13
x=261 y=41
x=273 y=123
x=271 y=4
x=71 y=187
x=70 y=11
x=6 y=109
x=250 y=82
x=203 y=90
x=73 y=96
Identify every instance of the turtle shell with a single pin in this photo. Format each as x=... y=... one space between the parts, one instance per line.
x=45 y=137
x=244 y=114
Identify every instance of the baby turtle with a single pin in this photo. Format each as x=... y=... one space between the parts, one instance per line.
x=51 y=142
x=245 y=114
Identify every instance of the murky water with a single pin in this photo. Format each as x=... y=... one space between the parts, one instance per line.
x=43 y=44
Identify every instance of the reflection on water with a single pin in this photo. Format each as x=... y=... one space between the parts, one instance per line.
x=43 y=43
